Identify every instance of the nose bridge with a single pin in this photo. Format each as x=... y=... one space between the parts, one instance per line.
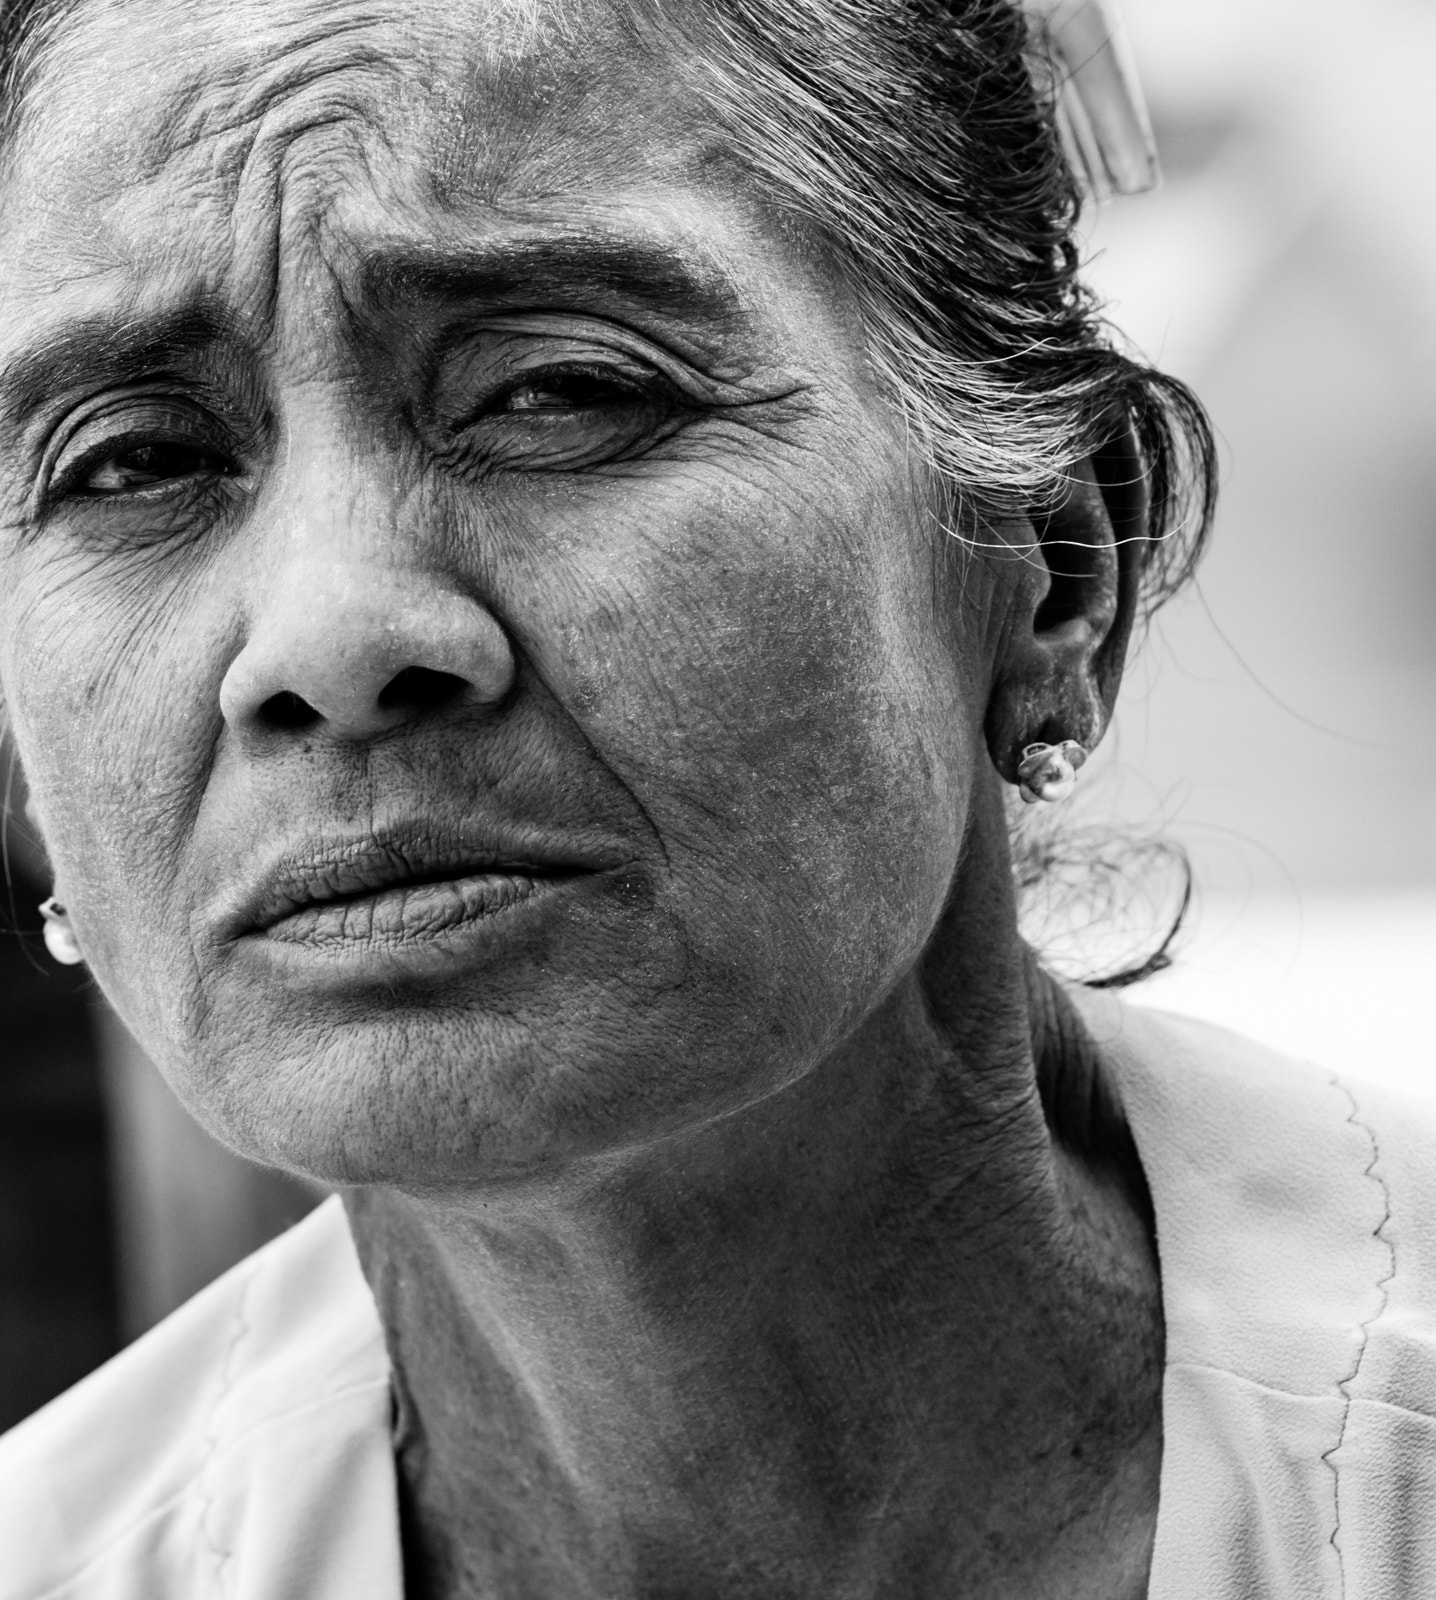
x=332 y=485
x=358 y=620
x=339 y=549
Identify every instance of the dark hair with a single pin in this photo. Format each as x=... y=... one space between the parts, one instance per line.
x=919 y=138
x=24 y=25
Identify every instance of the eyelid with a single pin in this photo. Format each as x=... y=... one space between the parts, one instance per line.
x=615 y=337
x=183 y=421
x=493 y=363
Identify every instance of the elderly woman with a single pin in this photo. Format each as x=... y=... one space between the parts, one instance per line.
x=537 y=539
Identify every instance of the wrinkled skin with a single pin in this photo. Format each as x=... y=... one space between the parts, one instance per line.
x=434 y=371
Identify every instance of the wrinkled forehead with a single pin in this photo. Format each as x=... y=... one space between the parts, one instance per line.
x=163 y=127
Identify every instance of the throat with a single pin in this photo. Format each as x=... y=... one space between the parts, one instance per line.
x=948 y=1382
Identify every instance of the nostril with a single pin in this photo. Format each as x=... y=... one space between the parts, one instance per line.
x=420 y=689
x=287 y=710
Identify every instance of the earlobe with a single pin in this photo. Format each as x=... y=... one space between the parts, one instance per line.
x=60 y=939
x=1063 y=653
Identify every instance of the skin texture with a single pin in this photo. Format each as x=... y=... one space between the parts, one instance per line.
x=412 y=420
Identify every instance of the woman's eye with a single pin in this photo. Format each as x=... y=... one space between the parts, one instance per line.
x=146 y=466
x=566 y=419
x=569 y=392
x=518 y=402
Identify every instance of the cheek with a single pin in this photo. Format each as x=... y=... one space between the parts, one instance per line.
x=758 y=664
x=111 y=682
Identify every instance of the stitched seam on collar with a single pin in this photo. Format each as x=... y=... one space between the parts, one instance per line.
x=1373 y=1175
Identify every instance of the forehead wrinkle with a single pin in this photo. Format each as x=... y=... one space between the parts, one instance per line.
x=203 y=162
x=248 y=57
x=226 y=136
x=310 y=166
x=211 y=106
x=305 y=87
x=502 y=102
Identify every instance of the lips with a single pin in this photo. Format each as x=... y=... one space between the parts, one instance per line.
x=394 y=886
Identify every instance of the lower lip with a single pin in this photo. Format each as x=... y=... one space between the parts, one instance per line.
x=410 y=916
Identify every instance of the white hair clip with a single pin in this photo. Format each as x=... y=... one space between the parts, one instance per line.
x=1100 y=109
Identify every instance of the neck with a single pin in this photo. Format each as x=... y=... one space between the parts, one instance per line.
x=884 y=1332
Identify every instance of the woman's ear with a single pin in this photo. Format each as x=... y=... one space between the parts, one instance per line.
x=1062 y=653
x=24 y=843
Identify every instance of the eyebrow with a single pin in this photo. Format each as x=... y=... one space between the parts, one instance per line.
x=614 y=267
x=87 y=349
x=572 y=268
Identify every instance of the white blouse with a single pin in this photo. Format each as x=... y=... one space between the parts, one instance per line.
x=242 y=1450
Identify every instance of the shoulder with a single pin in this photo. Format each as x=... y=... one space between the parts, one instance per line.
x=1223 y=1118
x=1277 y=1183
x=253 y=1406
x=1302 y=1197
x=1296 y=1228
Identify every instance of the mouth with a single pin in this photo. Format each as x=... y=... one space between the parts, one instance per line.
x=394 y=888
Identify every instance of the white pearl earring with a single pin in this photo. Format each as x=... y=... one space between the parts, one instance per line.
x=1049 y=771
x=60 y=938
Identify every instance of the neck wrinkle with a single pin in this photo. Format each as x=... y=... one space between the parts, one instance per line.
x=740 y=1346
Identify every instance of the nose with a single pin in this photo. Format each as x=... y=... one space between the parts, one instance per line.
x=355 y=651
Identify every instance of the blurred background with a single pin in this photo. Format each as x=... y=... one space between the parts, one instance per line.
x=1280 y=723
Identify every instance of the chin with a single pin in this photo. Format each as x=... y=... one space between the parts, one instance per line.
x=465 y=1097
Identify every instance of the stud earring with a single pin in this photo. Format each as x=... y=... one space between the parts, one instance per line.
x=60 y=938
x=1049 y=771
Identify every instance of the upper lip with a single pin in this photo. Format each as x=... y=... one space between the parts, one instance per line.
x=316 y=871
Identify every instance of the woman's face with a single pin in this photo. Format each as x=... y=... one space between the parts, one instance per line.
x=487 y=681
